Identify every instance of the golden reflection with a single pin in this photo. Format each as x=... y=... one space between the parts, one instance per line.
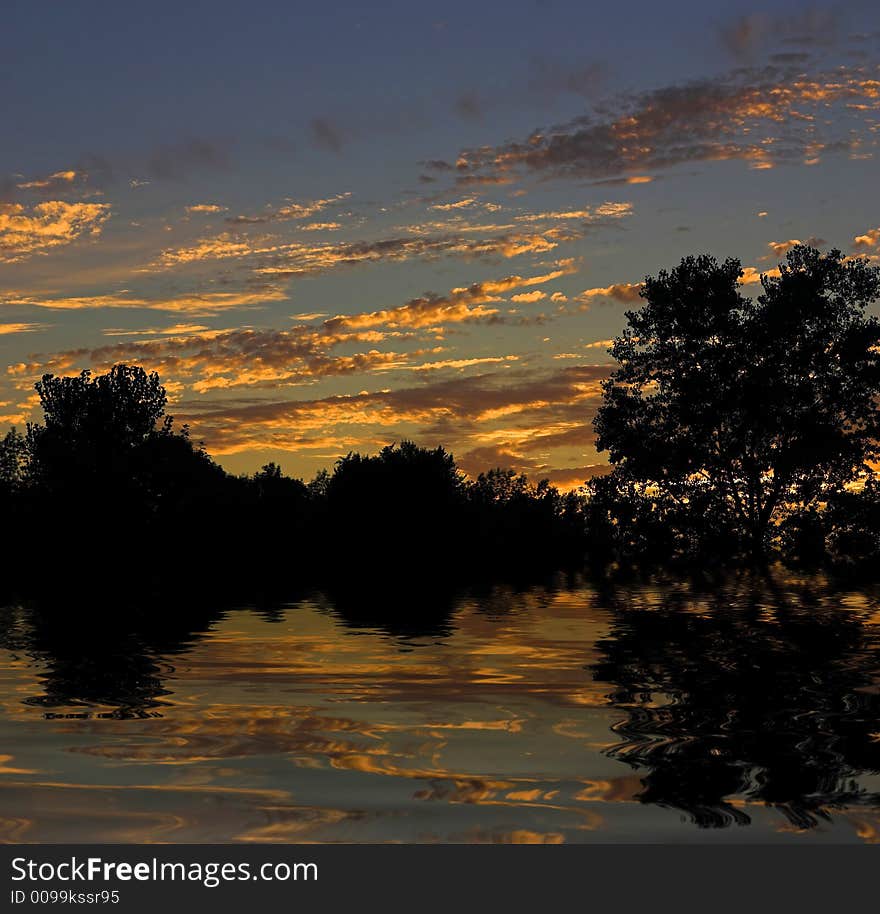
x=513 y=723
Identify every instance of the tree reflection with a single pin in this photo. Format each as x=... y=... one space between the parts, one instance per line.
x=745 y=694
x=400 y=606
x=114 y=666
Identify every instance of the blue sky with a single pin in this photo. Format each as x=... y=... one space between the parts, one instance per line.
x=331 y=227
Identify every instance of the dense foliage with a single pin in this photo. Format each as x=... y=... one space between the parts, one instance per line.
x=754 y=411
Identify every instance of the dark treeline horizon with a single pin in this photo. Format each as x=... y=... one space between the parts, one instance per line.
x=737 y=431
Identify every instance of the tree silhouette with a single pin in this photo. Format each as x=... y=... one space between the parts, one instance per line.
x=93 y=426
x=397 y=508
x=516 y=523
x=851 y=526
x=107 y=468
x=13 y=462
x=767 y=405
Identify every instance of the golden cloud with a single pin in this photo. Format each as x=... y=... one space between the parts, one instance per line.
x=467 y=203
x=46 y=226
x=198 y=304
x=780 y=248
x=6 y=329
x=289 y=211
x=206 y=208
x=222 y=247
x=53 y=181
x=461 y=304
x=625 y=292
x=283 y=260
x=870 y=239
x=173 y=330
x=528 y=297
x=463 y=363
x=221 y=359
x=554 y=411
x=750 y=275
x=603 y=211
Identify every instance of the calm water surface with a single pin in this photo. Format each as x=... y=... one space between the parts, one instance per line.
x=750 y=713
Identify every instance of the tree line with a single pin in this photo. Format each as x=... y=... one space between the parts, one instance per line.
x=736 y=430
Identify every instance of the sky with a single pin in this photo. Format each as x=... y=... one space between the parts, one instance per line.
x=331 y=227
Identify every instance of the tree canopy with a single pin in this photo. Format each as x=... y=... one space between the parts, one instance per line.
x=767 y=404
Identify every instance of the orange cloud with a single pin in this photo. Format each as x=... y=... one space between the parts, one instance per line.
x=460 y=412
x=174 y=330
x=870 y=239
x=461 y=304
x=750 y=275
x=282 y=260
x=220 y=359
x=222 y=247
x=53 y=181
x=246 y=357
x=206 y=208
x=46 y=226
x=463 y=363
x=621 y=291
x=6 y=329
x=604 y=211
x=289 y=211
x=529 y=297
x=780 y=248
x=199 y=304
x=466 y=203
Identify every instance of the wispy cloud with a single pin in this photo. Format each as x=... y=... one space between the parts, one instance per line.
x=737 y=116
x=587 y=214
x=198 y=304
x=206 y=208
x=747 y=34
x=288 y=259
x=241 y=357
x=462 y=412
x=288 y=211
x=461 y=304
x=59 y=180
x=6 y=329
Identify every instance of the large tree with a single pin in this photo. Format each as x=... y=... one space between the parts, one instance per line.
x=93 y=426
x=106 y=449
x=767 y=404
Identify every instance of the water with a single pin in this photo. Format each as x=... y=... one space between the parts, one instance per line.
x=563 y=713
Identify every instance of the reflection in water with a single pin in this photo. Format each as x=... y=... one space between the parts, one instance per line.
x=755 y=693
x=112 y=663
x=405 y=612
x=544 y=714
